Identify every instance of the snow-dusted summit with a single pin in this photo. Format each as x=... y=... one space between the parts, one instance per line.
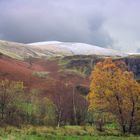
x=73 y=48
x=52 y=49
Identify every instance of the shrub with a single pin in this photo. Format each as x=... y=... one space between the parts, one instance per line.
x=43 y=75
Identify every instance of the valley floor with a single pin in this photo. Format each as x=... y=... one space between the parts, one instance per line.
x=63 y=133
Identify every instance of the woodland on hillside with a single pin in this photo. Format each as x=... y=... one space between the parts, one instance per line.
x=113 y=99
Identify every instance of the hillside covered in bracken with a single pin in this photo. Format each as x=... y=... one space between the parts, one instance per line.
x=37 y=73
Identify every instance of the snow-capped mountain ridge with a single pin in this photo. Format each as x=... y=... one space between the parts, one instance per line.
x=74 y=48
x=52 y=49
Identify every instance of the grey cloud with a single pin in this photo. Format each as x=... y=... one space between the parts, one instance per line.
x=31 y=21
x=112 y=23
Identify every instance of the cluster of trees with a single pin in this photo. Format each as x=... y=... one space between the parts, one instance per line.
x=115 y=96
x=61 y=104
x=71 y=107
x=10 y=95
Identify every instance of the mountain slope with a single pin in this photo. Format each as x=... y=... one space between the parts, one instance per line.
x=52 y=49
x=16 y=50
x=68 y=48
x=76 y=65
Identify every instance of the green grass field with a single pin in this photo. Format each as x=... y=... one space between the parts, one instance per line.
x=47 y=137
x=63 y=133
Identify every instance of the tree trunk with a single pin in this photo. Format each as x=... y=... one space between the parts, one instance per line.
x=121 y=115
x=74 y=107
x=2 y=114
x=132 y=117
x=59 y=119
x=2 y=111
x=123 y=129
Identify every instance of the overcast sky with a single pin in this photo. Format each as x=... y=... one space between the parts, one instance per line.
x=106 y=23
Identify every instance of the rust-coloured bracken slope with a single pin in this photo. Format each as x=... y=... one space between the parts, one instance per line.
x=23 y=71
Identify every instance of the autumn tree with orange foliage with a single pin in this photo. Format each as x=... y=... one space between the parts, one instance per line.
x=114 y=92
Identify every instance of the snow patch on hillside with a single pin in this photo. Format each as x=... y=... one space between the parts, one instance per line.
x=45 y=43
x=76 y=48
